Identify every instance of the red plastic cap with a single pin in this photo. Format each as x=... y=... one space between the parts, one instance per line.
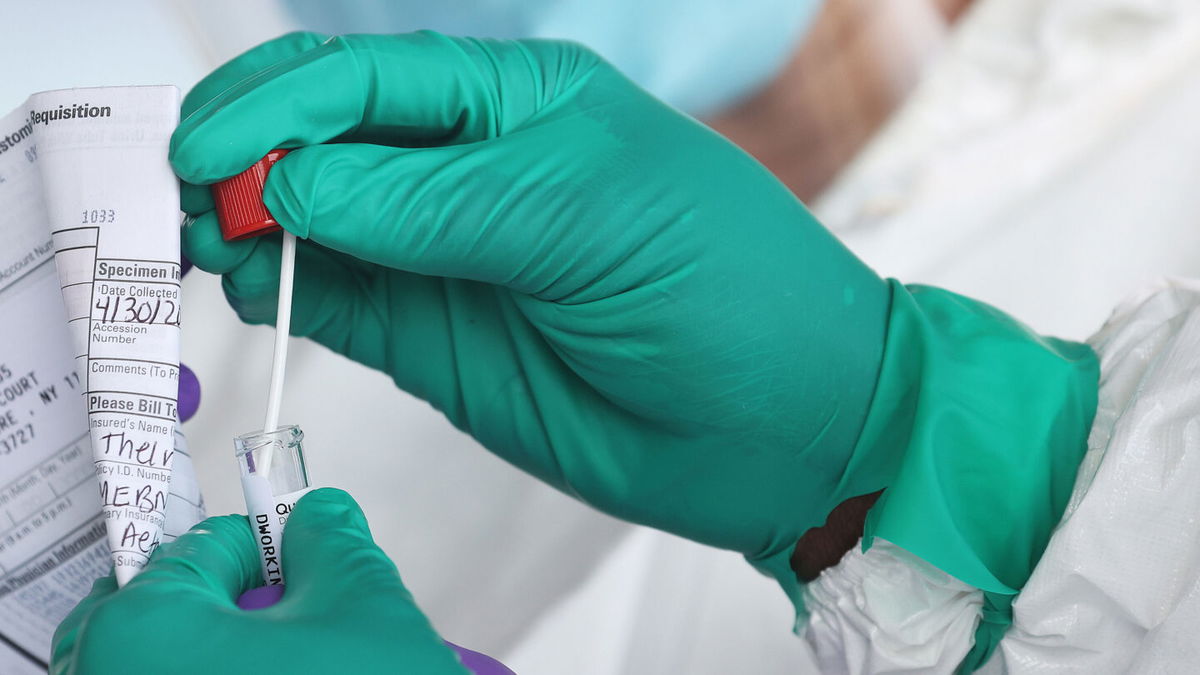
x=239 y=201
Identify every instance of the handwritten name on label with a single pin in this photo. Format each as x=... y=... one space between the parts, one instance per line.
x=145 y=498
x=146 y=453
x=135 y=539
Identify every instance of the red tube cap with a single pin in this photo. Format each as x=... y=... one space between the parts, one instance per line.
x=239 y=201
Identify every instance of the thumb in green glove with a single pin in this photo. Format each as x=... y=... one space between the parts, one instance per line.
x=345 y=609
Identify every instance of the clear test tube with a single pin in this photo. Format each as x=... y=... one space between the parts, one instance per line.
x=274 y=477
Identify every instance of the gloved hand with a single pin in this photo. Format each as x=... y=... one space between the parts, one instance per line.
x=601 y=290
x=345 y=609
x=617 y=300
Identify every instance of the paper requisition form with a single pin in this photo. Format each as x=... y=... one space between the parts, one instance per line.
x=93 y=472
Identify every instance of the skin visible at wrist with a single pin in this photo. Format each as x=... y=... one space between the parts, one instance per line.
x=823 y=547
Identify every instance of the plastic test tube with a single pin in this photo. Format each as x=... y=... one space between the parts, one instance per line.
x=270 y=496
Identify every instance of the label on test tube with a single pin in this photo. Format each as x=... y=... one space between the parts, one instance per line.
x=274 y=478
x=268 y=514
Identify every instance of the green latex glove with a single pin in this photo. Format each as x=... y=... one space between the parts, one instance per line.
x=606 y=293
x=345 y=609
x=617 y=300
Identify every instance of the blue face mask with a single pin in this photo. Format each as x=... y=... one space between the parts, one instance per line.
x=700 y=56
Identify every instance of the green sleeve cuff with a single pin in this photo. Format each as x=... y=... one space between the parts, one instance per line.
x=992 y=421
x=975 y=431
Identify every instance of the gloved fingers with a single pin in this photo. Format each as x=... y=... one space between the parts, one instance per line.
x=217 y=559
x=66 y=635
x=458 y=211
x=203 y=245
x=195 y=199
x=246 y=64
x=328 y=544
x=353 y=307
x=335 y=572
x=416 y=89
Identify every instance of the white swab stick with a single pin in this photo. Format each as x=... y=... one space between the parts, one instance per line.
x=283 y=323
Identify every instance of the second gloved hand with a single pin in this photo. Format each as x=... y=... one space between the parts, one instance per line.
x=345 y=609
